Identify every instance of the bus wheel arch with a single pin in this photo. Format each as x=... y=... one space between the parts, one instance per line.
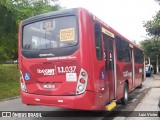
x=125 y=98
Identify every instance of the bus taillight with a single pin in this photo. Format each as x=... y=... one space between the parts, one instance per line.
x=83 y=74
x=82 y=82
x=23 y=87
x=22 y=82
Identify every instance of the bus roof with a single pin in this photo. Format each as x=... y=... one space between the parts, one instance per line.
x=50 y=15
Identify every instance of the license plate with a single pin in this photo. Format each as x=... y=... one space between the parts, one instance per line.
x=48 y=86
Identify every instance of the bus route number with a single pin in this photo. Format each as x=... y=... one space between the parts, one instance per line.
x=67 y=69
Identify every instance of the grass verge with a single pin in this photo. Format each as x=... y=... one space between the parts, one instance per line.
x=9 y=81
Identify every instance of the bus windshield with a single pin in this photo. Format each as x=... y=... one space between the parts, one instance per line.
x=50 y=34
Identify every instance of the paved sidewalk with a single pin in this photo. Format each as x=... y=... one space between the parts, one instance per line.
x=157 y=77
x=154 y=83
x=150 y=101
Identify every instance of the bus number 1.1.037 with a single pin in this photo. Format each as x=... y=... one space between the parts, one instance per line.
x=67 y=69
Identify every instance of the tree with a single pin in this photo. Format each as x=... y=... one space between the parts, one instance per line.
x=27 y=8
x=3 y=55
x=151 y=49
x=158 y=1
x=12 y=12
x=151 y=46
x=153 y=26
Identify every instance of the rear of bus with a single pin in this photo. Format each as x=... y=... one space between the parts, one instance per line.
x=51 y=66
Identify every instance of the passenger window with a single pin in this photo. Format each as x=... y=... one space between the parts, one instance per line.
x=119 y=48
x=138 y=55
x=98 y=41
x=123 y=50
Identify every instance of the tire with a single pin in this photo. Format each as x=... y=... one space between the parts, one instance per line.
x=124 y=100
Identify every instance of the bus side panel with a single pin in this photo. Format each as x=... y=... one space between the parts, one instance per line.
x=138 y=74
x=102 y=97
x=119 y=79
x=87 y=50
x=85 y=36
x=94 y=66
x=124 y=71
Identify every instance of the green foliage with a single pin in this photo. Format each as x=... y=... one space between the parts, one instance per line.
x=27 y=8
x=158 y=1
x=12 y=12
x=9 y=82
x=3 y=55
x=151 y=48
x=153 y=26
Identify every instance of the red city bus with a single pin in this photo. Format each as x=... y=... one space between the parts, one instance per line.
x=72 y=59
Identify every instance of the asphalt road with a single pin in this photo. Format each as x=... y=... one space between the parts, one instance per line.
x=134 y=98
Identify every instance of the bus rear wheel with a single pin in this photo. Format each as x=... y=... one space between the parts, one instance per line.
x=124 y=100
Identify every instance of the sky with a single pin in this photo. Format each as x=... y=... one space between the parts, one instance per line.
x=125 y=16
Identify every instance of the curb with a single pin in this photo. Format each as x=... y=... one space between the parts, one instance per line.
x=10 y=98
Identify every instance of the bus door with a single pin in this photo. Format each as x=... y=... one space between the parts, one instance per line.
x=132 y=64
x=109 y=64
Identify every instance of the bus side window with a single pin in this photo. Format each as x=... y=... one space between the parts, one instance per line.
x=138 y=54
x=119 y=48
x=98 y=41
